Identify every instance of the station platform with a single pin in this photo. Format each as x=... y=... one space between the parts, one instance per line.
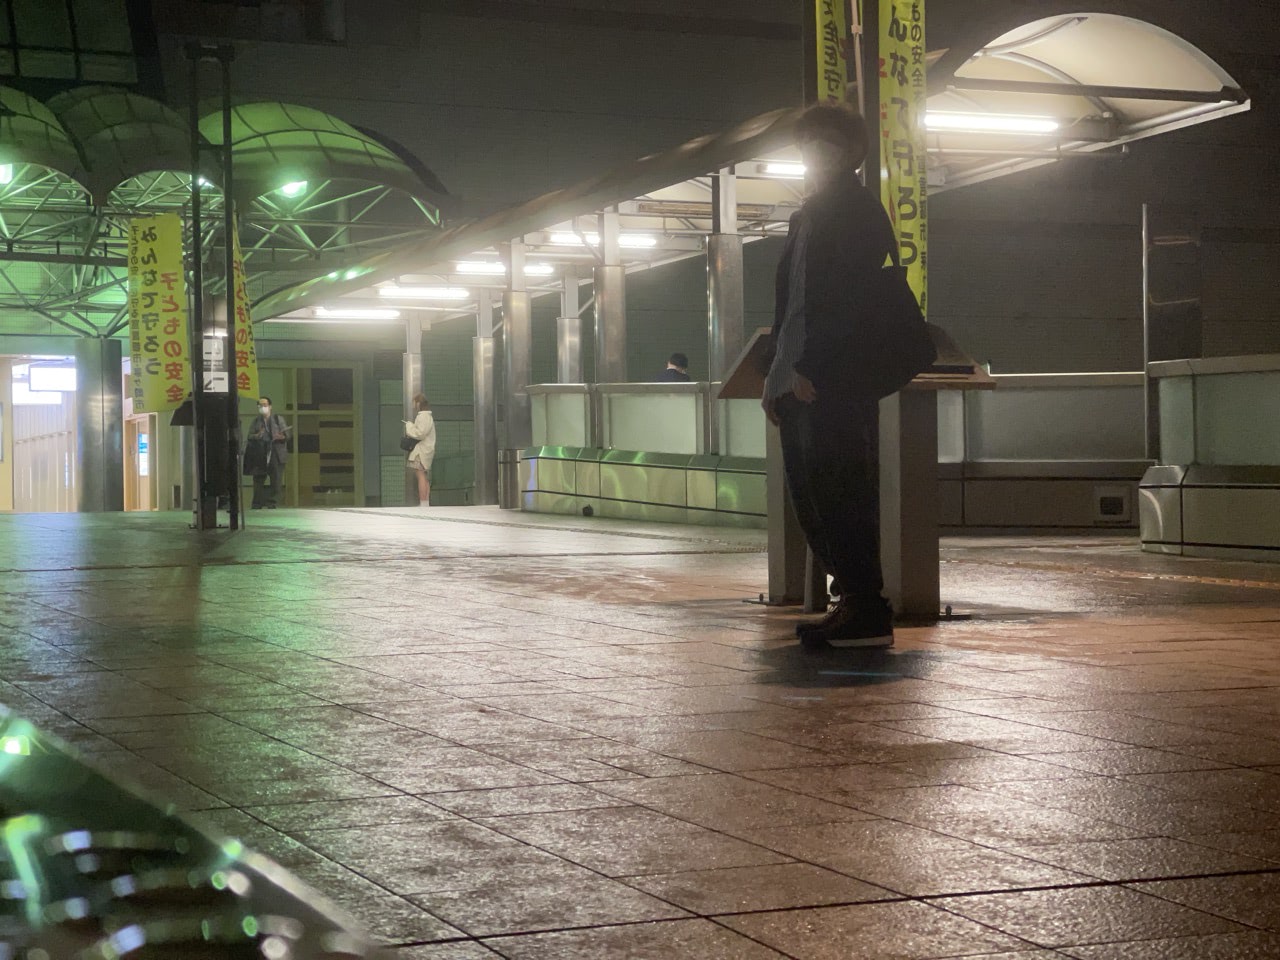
x=496 y=734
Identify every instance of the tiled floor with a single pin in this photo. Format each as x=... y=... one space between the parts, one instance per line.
x=488 y=734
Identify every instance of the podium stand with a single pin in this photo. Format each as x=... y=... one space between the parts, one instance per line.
x=909 y=552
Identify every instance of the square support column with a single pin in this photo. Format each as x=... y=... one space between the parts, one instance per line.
x=909 y=503
x=100 y=424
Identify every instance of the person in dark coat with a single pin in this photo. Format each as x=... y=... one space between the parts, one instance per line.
x=266 y=454
x=837 y=242
x=677 y=370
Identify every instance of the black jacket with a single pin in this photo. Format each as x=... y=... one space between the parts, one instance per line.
x=850 y=237
x=670 y=375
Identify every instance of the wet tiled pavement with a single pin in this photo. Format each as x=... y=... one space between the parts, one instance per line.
x=491 y=735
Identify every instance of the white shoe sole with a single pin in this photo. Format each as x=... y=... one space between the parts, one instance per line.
x=885 y=640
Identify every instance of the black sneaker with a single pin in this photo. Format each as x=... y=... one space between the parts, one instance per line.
x=808 y=626
x=855 y=628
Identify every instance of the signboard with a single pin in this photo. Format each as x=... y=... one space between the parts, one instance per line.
x=158 y=328
x=144 y=455
x=903 y=95
x=242 y=326
x=833 y=63
x=215 y=365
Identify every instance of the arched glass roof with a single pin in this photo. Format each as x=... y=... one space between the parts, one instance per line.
x=75 y=169
x=30 y=133
x=279 y=143
x=122 y=134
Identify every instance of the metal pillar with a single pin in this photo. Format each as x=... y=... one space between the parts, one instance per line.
x=1172 y=310
x=517 y=348
x=206 y=512
x=569 y=332
x=726 y=312
x=99 y=425
x=611 y=306
x=411 y=384
x=909 y=502
x=485 y=425
x=725 y=308
x=235 y=508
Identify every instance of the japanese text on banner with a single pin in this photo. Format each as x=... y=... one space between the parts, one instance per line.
x=160 y=349
x=245 y=354
x=903 y=95
x=833 y=66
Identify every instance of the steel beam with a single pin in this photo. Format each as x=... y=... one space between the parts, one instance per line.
x=1222 y=95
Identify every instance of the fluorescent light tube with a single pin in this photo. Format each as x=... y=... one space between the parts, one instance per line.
x=989 y=123
x=425 y=293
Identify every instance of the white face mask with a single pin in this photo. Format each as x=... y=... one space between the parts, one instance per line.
x=264 y=409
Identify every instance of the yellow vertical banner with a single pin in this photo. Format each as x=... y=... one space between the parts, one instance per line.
x=245 y=353
x=159 y=338
x=833 y=63
x=904 y=181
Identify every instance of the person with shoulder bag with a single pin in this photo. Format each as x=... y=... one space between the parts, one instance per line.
x=847 y=332
x=420 y=441
x=266 y=453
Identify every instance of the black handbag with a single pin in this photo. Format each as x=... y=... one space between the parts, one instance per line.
x=257 y=453
x=893 y=344
x=407 y=443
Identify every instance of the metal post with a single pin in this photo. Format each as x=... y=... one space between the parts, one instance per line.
x=611 y=305
x=99 y=425
x=411 y=386
x=485 y=424
x=1172 y=309
x=206 y=514
x=726 y=312
x=569 y=331
x=725 y=307
x=869 y=50
x=226 y=54
x=517 y=347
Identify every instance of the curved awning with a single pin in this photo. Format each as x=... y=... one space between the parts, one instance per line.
x=1056 y=88
x=1073 y=83
x=30 y=133
x=122 y=133
x=279 y=143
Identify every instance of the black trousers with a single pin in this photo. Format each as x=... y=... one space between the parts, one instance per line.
x=831 y=454
x=264 y=496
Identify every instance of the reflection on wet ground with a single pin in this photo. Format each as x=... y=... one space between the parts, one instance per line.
x=492 y=734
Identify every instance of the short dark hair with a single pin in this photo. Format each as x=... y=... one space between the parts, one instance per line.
x=836 y=123
x=679 y=360
x=266 y=398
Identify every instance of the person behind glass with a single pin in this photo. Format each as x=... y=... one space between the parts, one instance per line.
x=423 y=429
x=677 y=370
x=269 y=430
x=836 y=243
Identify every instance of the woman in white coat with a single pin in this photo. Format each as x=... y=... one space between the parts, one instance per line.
x=423 y=429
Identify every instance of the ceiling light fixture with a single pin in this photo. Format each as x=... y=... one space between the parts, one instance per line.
x=294 y=189
x=631 y=241
x=425 y=293
x=496 y=268
x=989 y=123
x=6 y=173
x=784 y=171
x=357 y=313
